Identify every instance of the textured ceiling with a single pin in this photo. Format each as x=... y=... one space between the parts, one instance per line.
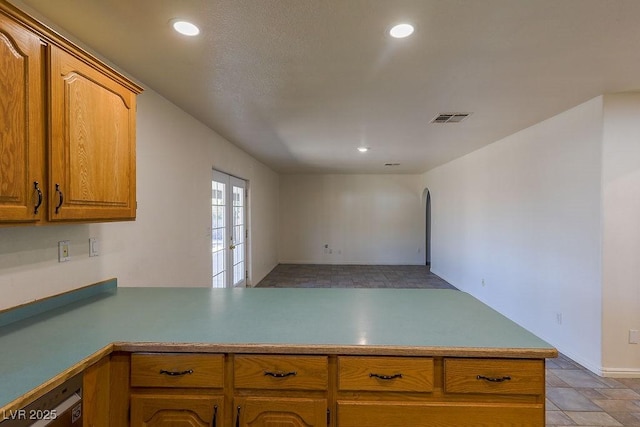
x=300 y=84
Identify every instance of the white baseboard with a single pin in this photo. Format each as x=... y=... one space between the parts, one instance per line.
x=621 y=372
x=341 y=263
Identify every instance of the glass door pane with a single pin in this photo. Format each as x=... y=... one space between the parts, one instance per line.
x=228 y=230
x=238 y=231
x=219 y=231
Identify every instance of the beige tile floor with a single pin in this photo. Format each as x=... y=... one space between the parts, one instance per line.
x=575 y=396
x=578 y=397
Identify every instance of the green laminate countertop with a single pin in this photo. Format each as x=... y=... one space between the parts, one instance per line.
x=324 y=321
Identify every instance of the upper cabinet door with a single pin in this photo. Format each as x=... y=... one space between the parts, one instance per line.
x=92 y=165
x=21 y=124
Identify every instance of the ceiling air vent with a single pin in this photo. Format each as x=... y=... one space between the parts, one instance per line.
x=450 y=117
x=392 y=164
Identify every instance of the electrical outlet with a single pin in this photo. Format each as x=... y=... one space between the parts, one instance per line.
x=634 y=336
x=483 y=284
x=63 y=251
x=93 y=247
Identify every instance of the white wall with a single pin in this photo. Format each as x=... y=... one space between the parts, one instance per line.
x=365 y=219
x=169 y=243
x=621 y=238
x=524 y=214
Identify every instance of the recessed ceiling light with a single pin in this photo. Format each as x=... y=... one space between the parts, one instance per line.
x=363 y=149
x=185 y=28
x=401 y=31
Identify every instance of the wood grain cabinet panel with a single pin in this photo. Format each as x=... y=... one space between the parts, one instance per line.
x=22 y=123
x=404 y=414
x=280 y=412
x=413 y=374
x=177 y=370
x=176 y=410
x=96 y=390
x=269 y=372
x=494 y=376
x=92 y=164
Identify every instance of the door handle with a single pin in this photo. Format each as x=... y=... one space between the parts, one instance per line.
x=60 y=200
x=232 y=247
x=36 y=186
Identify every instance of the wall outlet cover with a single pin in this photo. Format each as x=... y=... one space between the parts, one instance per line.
x=63 y=251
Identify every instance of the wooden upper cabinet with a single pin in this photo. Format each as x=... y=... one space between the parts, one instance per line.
x=92 y=163
x=67 y=129
x=22 y=122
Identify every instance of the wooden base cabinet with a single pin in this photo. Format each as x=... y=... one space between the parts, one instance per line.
x=176 y=410
x=440 y=392
x=280 y=412
x=105 y=392
x=316 y=390
x=280 y=390
x=177 y=389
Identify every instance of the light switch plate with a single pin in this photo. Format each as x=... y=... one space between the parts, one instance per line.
x=93 y=247
x=634 y=336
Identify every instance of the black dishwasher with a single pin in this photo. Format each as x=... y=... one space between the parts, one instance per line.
x=61 y=407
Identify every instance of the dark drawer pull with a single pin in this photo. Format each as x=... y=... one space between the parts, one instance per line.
x=177 y=374
x=385 y=377
x=280 y=374
x=493 y=379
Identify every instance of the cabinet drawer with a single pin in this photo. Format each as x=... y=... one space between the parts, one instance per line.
x=281 y=372
x=404 y=414
x=385 y=373
x=494 y=376
x=177 y=370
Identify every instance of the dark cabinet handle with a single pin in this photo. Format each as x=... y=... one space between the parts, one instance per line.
x=238 y=417
x=494 y=379
x=177 y=374
x=36 y=186
x=61 y=200
x=280 y=374
x=215 y=416
x=385 y=377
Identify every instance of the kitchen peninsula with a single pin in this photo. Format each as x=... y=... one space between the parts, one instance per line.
x=337 y=357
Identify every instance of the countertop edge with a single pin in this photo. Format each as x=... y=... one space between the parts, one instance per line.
x=336 y=349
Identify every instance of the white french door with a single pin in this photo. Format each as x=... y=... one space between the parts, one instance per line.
x=228 y=230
